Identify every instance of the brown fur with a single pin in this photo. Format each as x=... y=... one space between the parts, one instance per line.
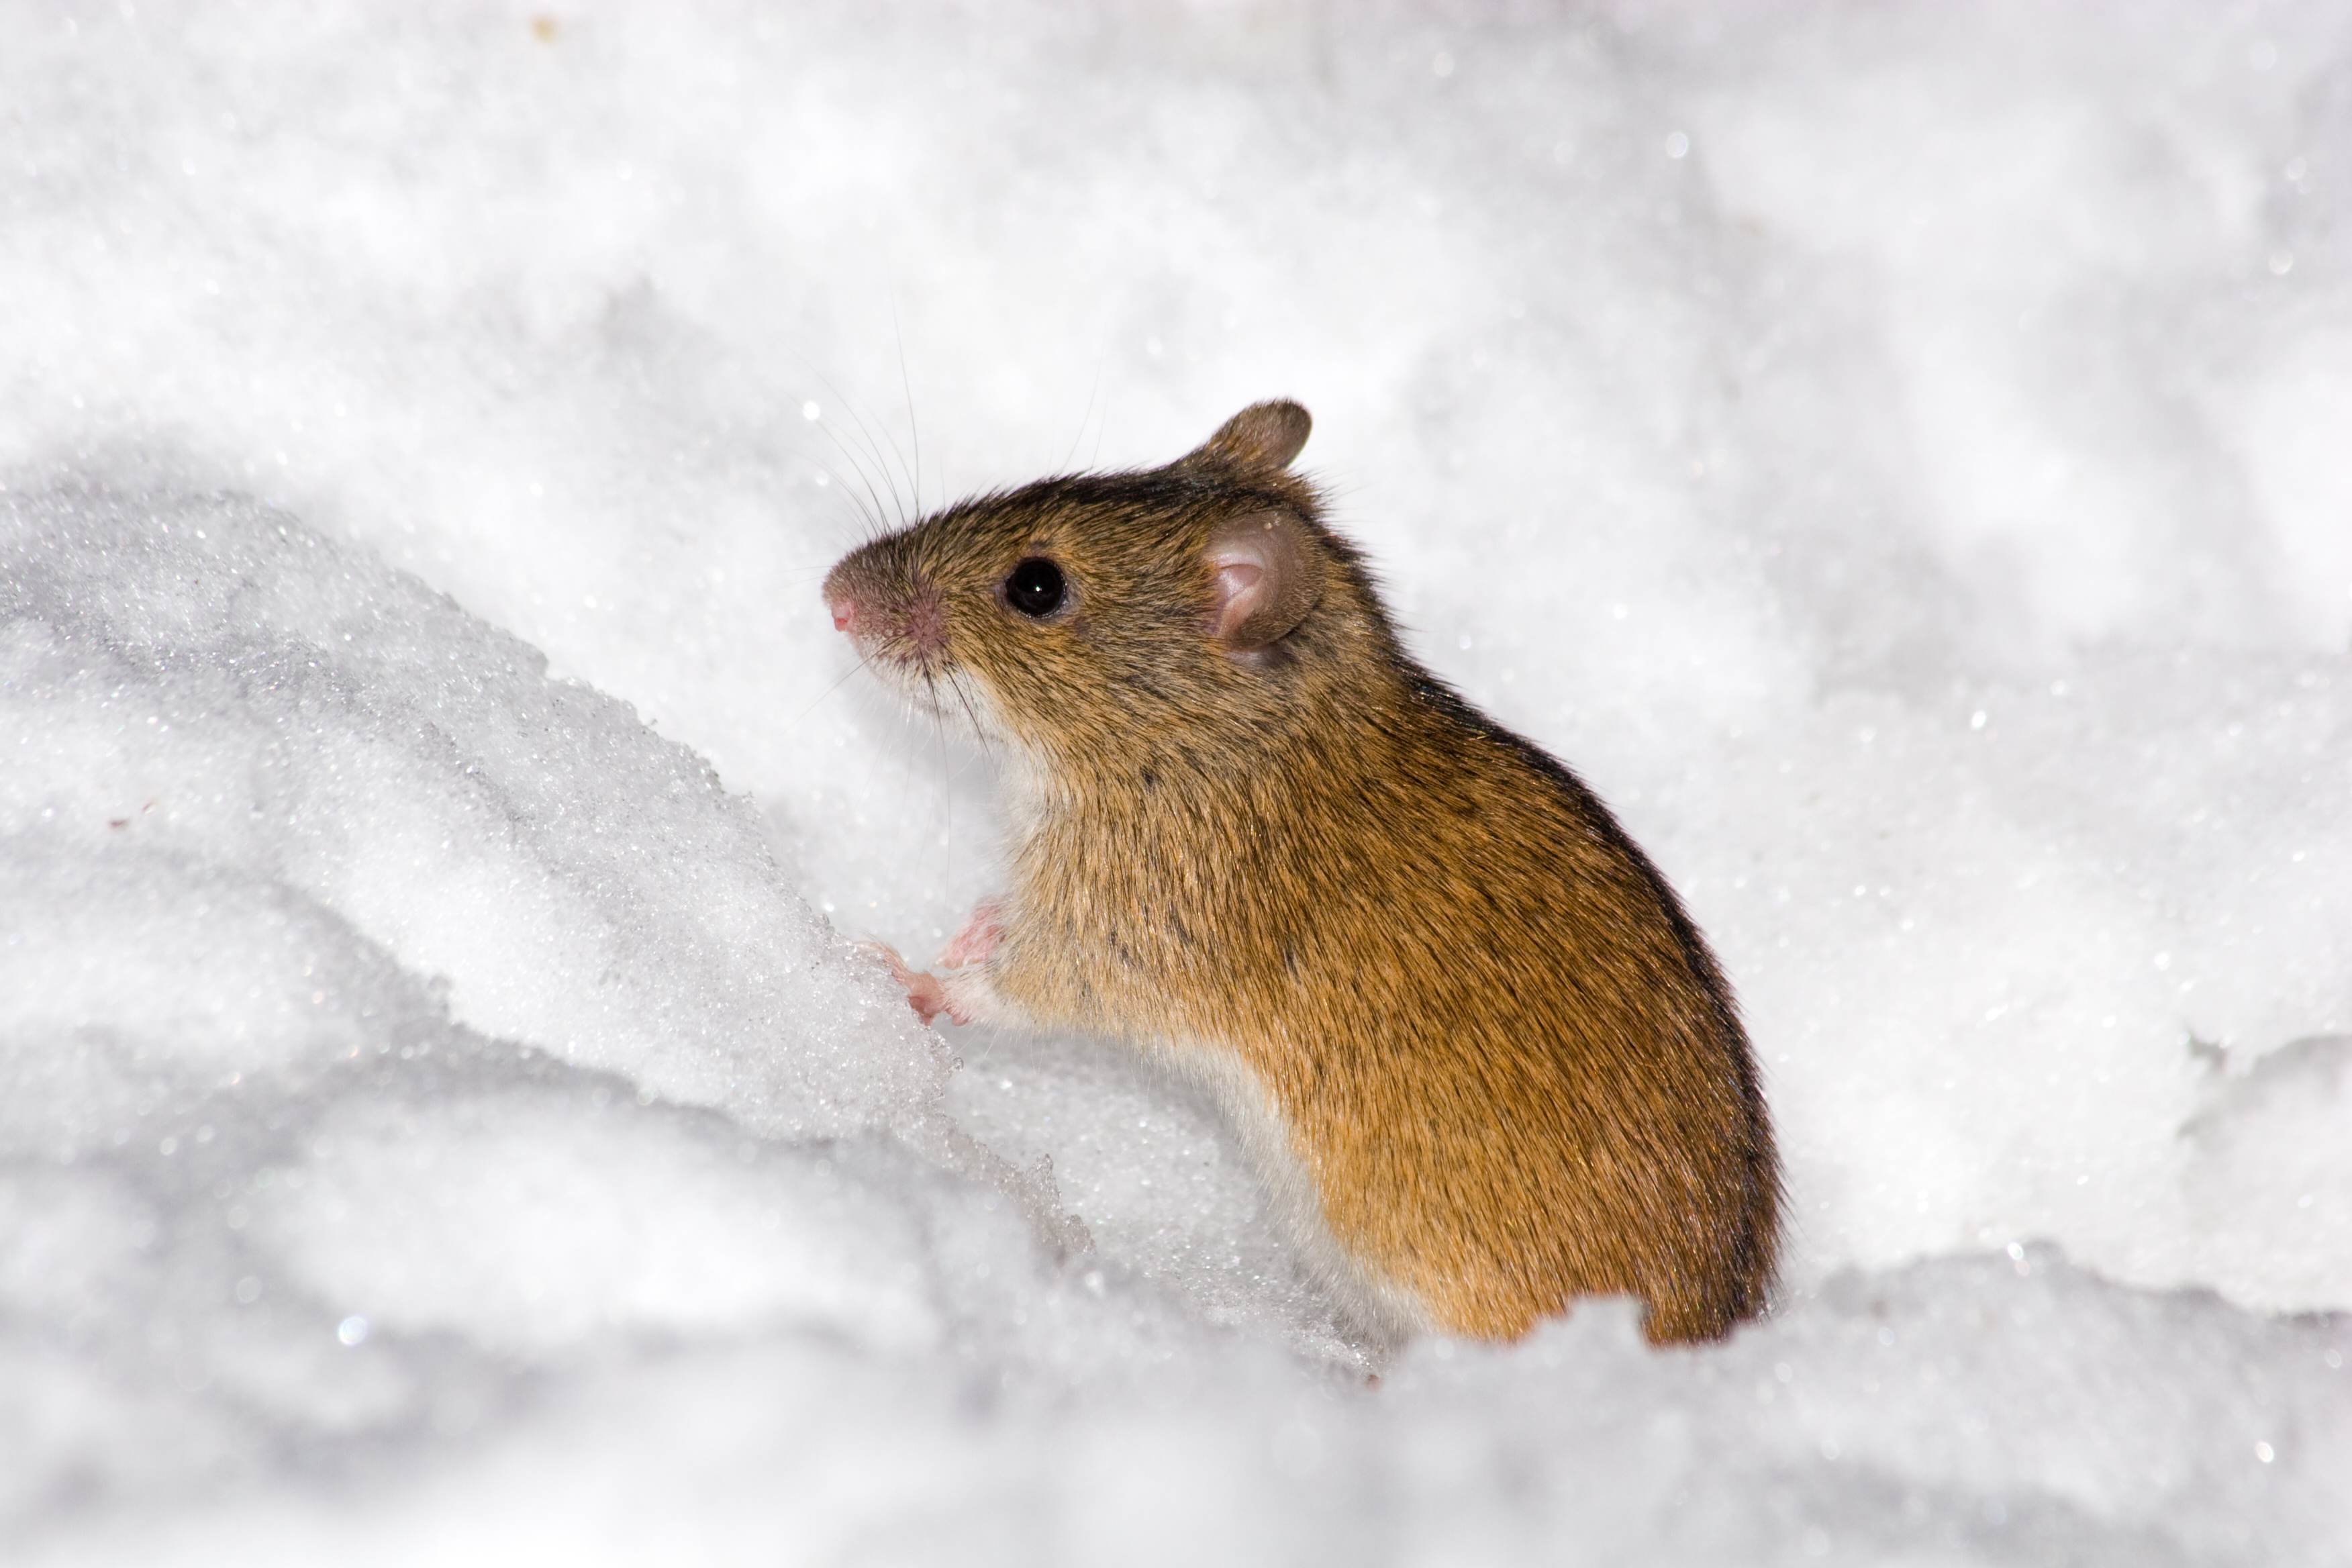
x=1502 y=1053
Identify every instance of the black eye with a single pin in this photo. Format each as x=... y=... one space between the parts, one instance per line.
x=1034 y=587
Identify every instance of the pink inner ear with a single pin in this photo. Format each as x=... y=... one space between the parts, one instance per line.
x=1241 y=585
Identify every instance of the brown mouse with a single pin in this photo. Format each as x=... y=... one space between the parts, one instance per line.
x=1479 y=1051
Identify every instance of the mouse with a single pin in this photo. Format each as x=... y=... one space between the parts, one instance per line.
x=1479 y=1055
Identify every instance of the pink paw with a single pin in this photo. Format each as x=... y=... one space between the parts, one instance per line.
x=925 y=993
x=963 y=997
x=978 y=939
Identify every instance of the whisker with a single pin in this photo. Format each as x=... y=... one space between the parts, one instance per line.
x=945 y=777
x=907 y=386
x=849 y=405
x=1071 y=455
x=862 y=663
x=1102 y=419
x=884 y=461
x=979 y=730
x=872 y=515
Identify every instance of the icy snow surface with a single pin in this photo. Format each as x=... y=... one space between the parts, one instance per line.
x=1897 y=452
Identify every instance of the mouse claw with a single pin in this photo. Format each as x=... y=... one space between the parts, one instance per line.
x=926 y=994
x=929 y=997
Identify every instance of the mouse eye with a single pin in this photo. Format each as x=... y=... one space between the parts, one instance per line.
x=1034 y=587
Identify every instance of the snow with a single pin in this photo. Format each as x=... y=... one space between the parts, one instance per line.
x=1894 y=453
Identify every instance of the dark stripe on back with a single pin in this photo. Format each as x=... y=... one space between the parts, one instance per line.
x=1763 y=1173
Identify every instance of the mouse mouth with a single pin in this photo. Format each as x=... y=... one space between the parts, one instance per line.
x=939 y=691
x=903 y=638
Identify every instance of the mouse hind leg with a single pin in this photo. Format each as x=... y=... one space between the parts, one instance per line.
x=978 y=939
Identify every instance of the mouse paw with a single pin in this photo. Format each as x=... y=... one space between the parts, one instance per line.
x=962 y=996
x=978 y=938
x=968 y=996
x=925 y=993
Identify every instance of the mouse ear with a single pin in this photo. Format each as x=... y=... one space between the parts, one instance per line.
x=1260 y=439
x=1267 y=572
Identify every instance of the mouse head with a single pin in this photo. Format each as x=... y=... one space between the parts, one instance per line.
x=1103 y=619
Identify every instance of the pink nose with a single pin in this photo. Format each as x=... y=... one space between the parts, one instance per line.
x=844 y=614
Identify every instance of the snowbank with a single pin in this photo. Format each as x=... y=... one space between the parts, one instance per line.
x=1891 y=453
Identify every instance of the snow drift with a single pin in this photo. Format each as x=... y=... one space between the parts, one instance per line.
x=1890 y=454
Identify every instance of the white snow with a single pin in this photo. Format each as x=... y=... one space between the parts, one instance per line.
x=1895 y=453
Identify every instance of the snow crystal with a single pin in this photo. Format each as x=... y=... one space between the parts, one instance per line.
x=1893 y=453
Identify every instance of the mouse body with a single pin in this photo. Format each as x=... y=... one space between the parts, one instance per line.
x=1478 y=1051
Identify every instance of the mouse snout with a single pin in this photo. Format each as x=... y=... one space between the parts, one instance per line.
x=897 y=622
